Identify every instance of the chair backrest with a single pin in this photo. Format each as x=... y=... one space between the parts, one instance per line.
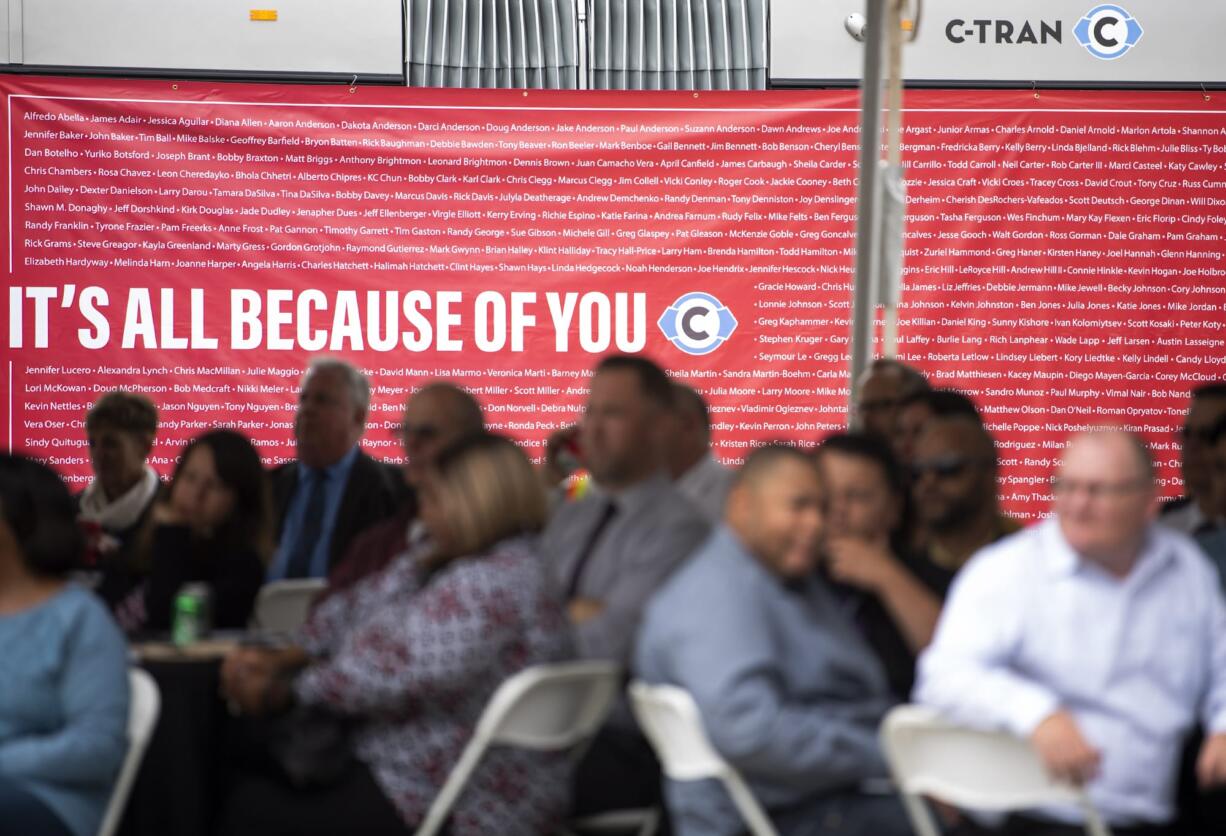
x=672 y=723
x=546 y=708
x=145 y=703
x=282 y=606
x=969 y=768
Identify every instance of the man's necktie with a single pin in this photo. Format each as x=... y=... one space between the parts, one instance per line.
x=299 y=565
x=606 y=517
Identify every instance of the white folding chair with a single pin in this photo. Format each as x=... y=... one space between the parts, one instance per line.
x=673 y=725
x=282 y=606
x=144 y=704
x=979 y=770
x=545 y=708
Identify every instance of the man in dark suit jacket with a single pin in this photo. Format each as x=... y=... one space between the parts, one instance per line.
x=334 y=490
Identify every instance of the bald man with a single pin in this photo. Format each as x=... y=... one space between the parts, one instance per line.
x=884 y=384
x=789 y=693
x=1098 y=635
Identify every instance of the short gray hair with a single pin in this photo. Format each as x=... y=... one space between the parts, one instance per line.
x=359 y=386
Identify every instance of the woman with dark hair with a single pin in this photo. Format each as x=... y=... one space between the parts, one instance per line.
x=64 y=671
x=409 y=658
x=895 y=596
x=212 y=528
x=114 y=508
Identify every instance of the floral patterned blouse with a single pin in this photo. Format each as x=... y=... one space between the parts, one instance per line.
x=418 y=659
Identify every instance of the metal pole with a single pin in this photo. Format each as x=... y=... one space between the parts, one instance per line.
x=868 y=231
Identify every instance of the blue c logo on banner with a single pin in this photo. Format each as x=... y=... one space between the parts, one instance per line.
x=697 y=323
x=1107 y=32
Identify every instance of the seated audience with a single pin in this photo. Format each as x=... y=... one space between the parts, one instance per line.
x=212 y=528
x=789 y=693
x=435 y=416
x=1193 y=513
x=882 y=387
x=954 y=493
x=1096 y=634
x=409 y=658
x=916 y=409
x=608 y=553
x=64 y=677
x=892 y=594
x=333 y=491
x=695 y=471
x=115 y=506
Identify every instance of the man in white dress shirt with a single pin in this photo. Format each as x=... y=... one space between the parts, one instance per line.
x=1098 y=635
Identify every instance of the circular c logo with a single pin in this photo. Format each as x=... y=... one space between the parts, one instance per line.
x=697 y=323
x=1107 y=31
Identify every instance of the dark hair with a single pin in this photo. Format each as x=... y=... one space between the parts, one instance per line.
x=1216 y=389
x=239 y=468
x=943 y=403
x=39 y=510
x=875 y=450
x=1216 y=431
x=124 y=411
x=653 y=381
x=878 y=452
x=687 y=399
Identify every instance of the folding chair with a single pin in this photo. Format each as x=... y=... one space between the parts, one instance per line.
x=975 y=769
x=673 y=725
x=545 y=708
x=282 y=606
x=144 y=705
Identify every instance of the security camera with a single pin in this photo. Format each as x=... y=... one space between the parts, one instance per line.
x=855 y=24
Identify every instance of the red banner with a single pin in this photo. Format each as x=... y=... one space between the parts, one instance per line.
x=199 y=241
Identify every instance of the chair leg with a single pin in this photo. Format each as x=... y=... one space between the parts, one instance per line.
x=1095 y=826
x=750 y=810
x=920 y=816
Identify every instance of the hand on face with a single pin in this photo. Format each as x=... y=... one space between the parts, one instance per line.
x=859 y=562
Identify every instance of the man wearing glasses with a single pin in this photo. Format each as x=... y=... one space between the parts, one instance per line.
x=955 y=492
x=333 y=490
x=1099 y=636
x=1193 y=512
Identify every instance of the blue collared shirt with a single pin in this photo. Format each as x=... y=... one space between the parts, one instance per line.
x=334 y=491
x=1030 y=627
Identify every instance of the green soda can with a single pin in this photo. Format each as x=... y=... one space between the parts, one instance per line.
x=191 y=614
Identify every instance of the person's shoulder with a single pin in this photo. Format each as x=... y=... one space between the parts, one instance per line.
x=669 y=508
x=714 y=572
x=1187 y=550
x=81 y=611
x=1011 y=559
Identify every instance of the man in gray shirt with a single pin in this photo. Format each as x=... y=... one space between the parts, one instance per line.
x=789 y=693
x=608 y=553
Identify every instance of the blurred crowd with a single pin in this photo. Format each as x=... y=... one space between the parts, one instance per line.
x=797 y=597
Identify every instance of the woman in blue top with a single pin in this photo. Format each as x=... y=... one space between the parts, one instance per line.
x=63 y=670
